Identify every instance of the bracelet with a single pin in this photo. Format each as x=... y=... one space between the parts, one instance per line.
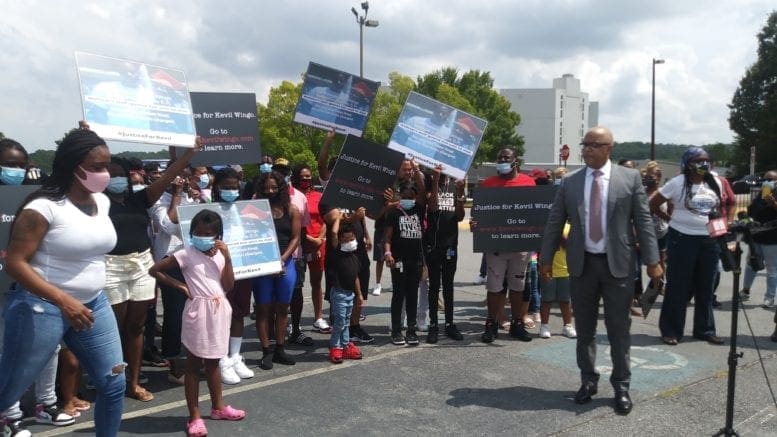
x=387 y=254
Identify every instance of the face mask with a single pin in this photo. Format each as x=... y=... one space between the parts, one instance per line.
x=203 y=244
x=700 y=168
x=12 y=175
x=287 y=179
x=649 y=183
x=265 y=168
x=229 y=195
x=406 y=203
x=117 y=185
x=504 y=167
x=139 y=187
x=349 y=246
x=304 y=184
x=95 y=182
x=204 y=181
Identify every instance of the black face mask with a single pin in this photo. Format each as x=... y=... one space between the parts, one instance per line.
x=272 y=197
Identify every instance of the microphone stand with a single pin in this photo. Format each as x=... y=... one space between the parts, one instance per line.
x=732 y=259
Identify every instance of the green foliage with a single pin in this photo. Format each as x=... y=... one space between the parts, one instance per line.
x=45 y=158
x=2 y=136
x=753 y=115
x=474 y=92
x=639 y=151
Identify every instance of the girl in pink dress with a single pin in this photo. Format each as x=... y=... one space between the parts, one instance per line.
x=207 y=268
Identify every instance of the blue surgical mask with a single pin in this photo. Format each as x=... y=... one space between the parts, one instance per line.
x=12 y=175
x=229 y=195
x=203 y=244
x=139 y=187
x=504 y=167
x=118 y=185
x=288 y=180
x=265 y=168
x=204 y=181
x=406 y=203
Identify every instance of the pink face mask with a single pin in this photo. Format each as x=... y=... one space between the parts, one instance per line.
x=96 y=182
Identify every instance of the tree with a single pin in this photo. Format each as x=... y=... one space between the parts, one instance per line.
x=753 y=114
x=474 y=92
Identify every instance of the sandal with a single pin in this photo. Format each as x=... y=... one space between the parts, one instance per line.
x=301 y=338
x=671 y=341
x=196 y=428
x=227 y=413
x=82 y=405
x=528 y=322
x=141 y=394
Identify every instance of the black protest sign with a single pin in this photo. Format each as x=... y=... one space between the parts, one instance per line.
x=511 y=219
x=228 y=126
x=12 y=196
x=363 y=170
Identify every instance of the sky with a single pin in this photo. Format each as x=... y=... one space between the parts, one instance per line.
x=249 y=45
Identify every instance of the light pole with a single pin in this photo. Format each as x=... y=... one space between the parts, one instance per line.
x=362 y=21
x=653 y=112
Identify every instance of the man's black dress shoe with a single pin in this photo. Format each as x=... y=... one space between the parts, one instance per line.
x=583 y=396
x=623 y=403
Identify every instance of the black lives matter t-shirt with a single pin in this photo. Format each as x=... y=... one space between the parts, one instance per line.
x=442 y=225
x=407 y=233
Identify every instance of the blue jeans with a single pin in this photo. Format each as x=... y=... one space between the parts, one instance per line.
x=33 y=329
x=341 y=305
x=692 y=261
x=531 y=291
x=770 y=260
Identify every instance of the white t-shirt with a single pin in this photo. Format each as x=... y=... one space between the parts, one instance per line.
x=71 y=255
x=691 y=212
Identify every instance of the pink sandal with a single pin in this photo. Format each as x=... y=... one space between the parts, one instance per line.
x=227 y=413
x=196 y=428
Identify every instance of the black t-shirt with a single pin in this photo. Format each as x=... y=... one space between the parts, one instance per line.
x=342 y=269
x=442 y=225
x=131 y=221
x=283 y=230
x=407 y=233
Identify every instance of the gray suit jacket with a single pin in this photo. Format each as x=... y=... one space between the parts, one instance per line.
x=627 y=214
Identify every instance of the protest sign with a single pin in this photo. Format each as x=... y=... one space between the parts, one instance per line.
x=363 y=170
x=131 y=101
x=511 y=219
x=434 y=133
x=227 y=124
x=13 y=196
x=335 y=99
x=249 y=232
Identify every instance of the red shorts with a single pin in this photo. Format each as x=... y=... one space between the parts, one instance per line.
x=317 y=265
x=240 y=298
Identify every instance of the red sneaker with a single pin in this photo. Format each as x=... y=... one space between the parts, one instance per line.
x=336 y=355
x=352 y=352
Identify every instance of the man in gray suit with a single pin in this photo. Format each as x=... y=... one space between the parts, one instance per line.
x=606 y=206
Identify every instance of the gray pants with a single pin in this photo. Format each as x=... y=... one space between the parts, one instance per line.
x=594 y=284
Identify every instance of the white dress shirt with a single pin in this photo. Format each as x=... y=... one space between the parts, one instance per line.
x=604 y=180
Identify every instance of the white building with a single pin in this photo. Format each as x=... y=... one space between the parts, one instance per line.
x=552 y=117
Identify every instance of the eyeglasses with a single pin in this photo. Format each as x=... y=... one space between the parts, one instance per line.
x=594 y=145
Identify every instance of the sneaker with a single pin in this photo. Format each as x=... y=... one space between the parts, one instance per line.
x=544 y=330
x=352 y=352
x=228 y=374
x=411 y=338
x=490 y=333
x=360 y=335
x=15 y=428
x=281 y=357
x=322 y=326
x=744 y=294
x=453 y=332
x=152 y=357
x=240 y=367
x=768 y=302
x=479 y=280
x=52 y=415
x=376 y=290
x=336 y=355
x=398 y=339
x=518 y=330
x=537 y=318
x=569 y=331
x=431 y=336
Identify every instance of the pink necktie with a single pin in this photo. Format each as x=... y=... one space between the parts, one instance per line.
x=595 y=208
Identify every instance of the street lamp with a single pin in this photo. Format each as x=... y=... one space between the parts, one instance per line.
x=653 y=112
x=363 y=21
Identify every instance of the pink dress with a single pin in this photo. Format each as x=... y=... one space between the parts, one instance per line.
x=207 y=315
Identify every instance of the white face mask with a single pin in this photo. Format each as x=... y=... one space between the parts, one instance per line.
x=349 y=246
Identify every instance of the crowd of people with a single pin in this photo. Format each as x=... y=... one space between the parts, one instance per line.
x=94 y=247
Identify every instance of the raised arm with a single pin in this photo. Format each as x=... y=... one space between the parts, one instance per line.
x=323 y=156
x=158 y=187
